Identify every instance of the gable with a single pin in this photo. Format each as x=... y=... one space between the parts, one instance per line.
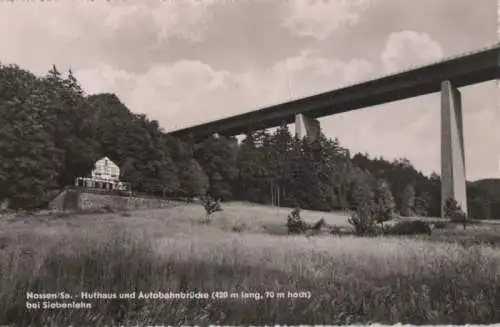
x=105 y=161
x=106 y=169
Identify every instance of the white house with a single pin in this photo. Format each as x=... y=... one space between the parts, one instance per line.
x=106 y=169
x=105 y=175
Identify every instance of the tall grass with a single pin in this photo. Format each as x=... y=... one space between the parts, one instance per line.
x=351 y=280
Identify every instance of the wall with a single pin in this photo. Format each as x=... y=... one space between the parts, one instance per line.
x=90 y=201
x=72 y=199
x=57 y=203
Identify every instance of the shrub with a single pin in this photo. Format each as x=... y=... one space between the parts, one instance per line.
x=319 y=224
x=440 y=224
x=295 y=224
x=454 y=212
x=362 y=221
x=108 y=208
x=238 y=228
x=410 y=227
x=338 y=230
x=211 y=206
x=315 y=229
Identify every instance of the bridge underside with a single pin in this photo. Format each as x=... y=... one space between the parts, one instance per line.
x=461 y=71
x=444 y=77
x=453 y=175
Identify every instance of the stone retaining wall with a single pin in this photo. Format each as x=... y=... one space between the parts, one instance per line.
x=59 y=202
x=90 y=201
x=74 y=199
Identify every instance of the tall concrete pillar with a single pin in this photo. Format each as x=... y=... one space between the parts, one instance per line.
x=453 y=182
x=307 y=127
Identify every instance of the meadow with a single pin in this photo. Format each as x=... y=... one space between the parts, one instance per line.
x=451 y=277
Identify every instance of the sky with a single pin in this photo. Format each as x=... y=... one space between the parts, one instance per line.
x=185 y=62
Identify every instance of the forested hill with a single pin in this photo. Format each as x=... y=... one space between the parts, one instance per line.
x=489 y=185
x=484 y=197
x=51 y=132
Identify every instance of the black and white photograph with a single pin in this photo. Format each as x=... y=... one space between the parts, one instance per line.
x=249 y=162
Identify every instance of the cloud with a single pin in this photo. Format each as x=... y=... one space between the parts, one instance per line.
x=310 y=72
x=103 y=78
x=174 y=94
x=320 y=18
x=185 y=19
x=188 y=62
x=409 y=48
x=311 y=63
x=187 y=92
x=83 y=34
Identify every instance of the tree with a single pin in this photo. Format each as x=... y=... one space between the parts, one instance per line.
x=408 y=201
x=129 y=173
x=218 y=157
x=72 y=128
x=384 y=202
x=480 y=208
x=30 y=161
x=360 y=192
x=252 y=171
x=211 y=206
x=295 y=223
x=278 y=149
x=422 y=204
x=194 y=181
x=361 y=200
x=51 y=132
x=362 y=219
x=454 y=212
x=433 y=188
x=311 y=189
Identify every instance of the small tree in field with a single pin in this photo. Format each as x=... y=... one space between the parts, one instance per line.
x=362 y=215
x=454 y=212
x=295 y=223
x=211 y=206
x=362 y=219
x=384 y=203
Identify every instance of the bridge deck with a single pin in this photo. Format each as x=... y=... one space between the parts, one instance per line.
x=471 y=68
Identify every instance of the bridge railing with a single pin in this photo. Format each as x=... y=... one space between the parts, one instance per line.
x=430 y=63
x=413 y=67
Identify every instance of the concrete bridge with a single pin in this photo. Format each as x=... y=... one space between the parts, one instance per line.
x=444 y=76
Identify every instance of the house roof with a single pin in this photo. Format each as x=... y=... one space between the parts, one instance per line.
x=106 y=158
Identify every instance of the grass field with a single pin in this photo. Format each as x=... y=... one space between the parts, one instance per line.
x=449 y=277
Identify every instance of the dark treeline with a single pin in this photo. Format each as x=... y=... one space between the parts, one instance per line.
x=52 y=132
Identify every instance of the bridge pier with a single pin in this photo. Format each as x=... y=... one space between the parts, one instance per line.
x=307 y=127
x=453 y=182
